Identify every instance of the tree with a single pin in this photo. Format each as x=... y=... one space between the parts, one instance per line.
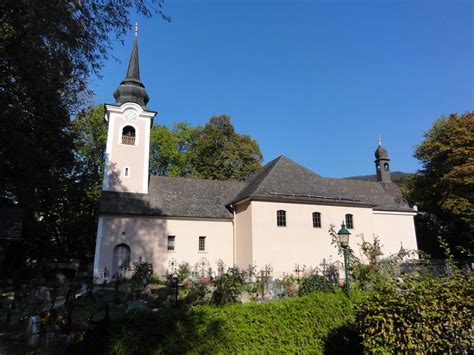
x=70 y=214
x=220 y=153
x=214 y=151
x=48 y=51
x=169 y=149
x=443 y=188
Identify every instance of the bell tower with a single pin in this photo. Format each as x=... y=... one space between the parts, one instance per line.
x=382 y=165
x=128 y=136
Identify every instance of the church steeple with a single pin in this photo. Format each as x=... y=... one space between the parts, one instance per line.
x=382 y=165
x=131 y=89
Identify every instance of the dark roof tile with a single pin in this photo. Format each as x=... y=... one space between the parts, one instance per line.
x=281 y=179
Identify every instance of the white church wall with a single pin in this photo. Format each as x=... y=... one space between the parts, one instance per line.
x=218 y=244
x=299 y=242
x=395 y=229
x=120 y=156
x=148 y=238
x=243 y=235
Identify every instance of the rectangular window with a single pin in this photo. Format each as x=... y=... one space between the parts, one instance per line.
x=202 y=243
x=316 y=220
x=349 y=221
x=171 y=242
x=281 y=218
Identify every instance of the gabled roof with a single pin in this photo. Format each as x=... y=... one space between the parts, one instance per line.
x=283 y=179
x=174 y=197
x=280 y=180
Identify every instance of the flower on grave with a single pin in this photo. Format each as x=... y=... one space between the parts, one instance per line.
x=205 y=281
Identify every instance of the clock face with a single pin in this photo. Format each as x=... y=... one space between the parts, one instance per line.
x=130 y=115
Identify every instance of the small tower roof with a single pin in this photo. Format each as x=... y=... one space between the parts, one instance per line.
x=381 y=152
x=131 y=89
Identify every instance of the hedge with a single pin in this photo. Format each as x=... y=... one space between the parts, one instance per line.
x=422 y=315
x=310 y=324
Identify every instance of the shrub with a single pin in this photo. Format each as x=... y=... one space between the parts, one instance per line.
x=297 y=325
x=315 y=283
x=420 y=315
x=228 y=287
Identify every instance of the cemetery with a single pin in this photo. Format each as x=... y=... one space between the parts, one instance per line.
x=214 y=308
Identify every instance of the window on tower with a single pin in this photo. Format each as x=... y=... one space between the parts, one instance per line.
x=128 y=135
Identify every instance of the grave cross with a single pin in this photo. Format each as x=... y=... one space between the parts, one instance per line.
x=324 y=264
x=172 y=264
x=203 y=268
x=298 y=270
x=264 y=276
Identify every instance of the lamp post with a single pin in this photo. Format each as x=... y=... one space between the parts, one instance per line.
x=343 y=235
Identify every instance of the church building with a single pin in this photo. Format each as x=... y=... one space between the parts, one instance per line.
x=279 y=217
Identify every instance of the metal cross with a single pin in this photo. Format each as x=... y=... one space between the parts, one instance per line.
x=264 y=275
x=298 y=270
x=324 y=265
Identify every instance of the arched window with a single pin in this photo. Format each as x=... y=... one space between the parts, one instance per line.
x=121 y=258
x=281 y=218
x=127 y=171
x=385 y=166
x=349 y=221
x=316 y=219
x=128 y=135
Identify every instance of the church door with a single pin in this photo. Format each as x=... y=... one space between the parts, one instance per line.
x=121 y=258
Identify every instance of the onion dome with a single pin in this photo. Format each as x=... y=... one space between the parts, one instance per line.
x=381 y=152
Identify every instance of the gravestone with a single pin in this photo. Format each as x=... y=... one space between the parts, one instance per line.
x=32 y=331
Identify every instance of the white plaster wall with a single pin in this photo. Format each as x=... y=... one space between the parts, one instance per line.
x=299 y=242
x=147 y=238
x=243 y=238
x=393 y=230
x=119 y=156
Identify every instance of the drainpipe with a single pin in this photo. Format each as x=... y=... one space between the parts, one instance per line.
x=233 y=236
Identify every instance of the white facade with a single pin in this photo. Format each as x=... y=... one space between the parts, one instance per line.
x=126 y=164
x=252 y=237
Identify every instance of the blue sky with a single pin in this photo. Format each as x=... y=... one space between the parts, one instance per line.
x=317 y=81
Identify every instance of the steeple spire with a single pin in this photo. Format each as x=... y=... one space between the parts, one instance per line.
x=131 y=89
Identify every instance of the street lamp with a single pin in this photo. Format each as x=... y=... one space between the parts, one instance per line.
x=343 y=235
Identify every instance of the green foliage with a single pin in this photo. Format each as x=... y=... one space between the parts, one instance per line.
x=419 y=315
x=314 y=283
x=443 y=187
x=219 y=153
x=169 y=153
x=297 y=325
x=228 y=287
x=141 y=276
x=184 y=270
x=214 y=151
x=49 y=50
